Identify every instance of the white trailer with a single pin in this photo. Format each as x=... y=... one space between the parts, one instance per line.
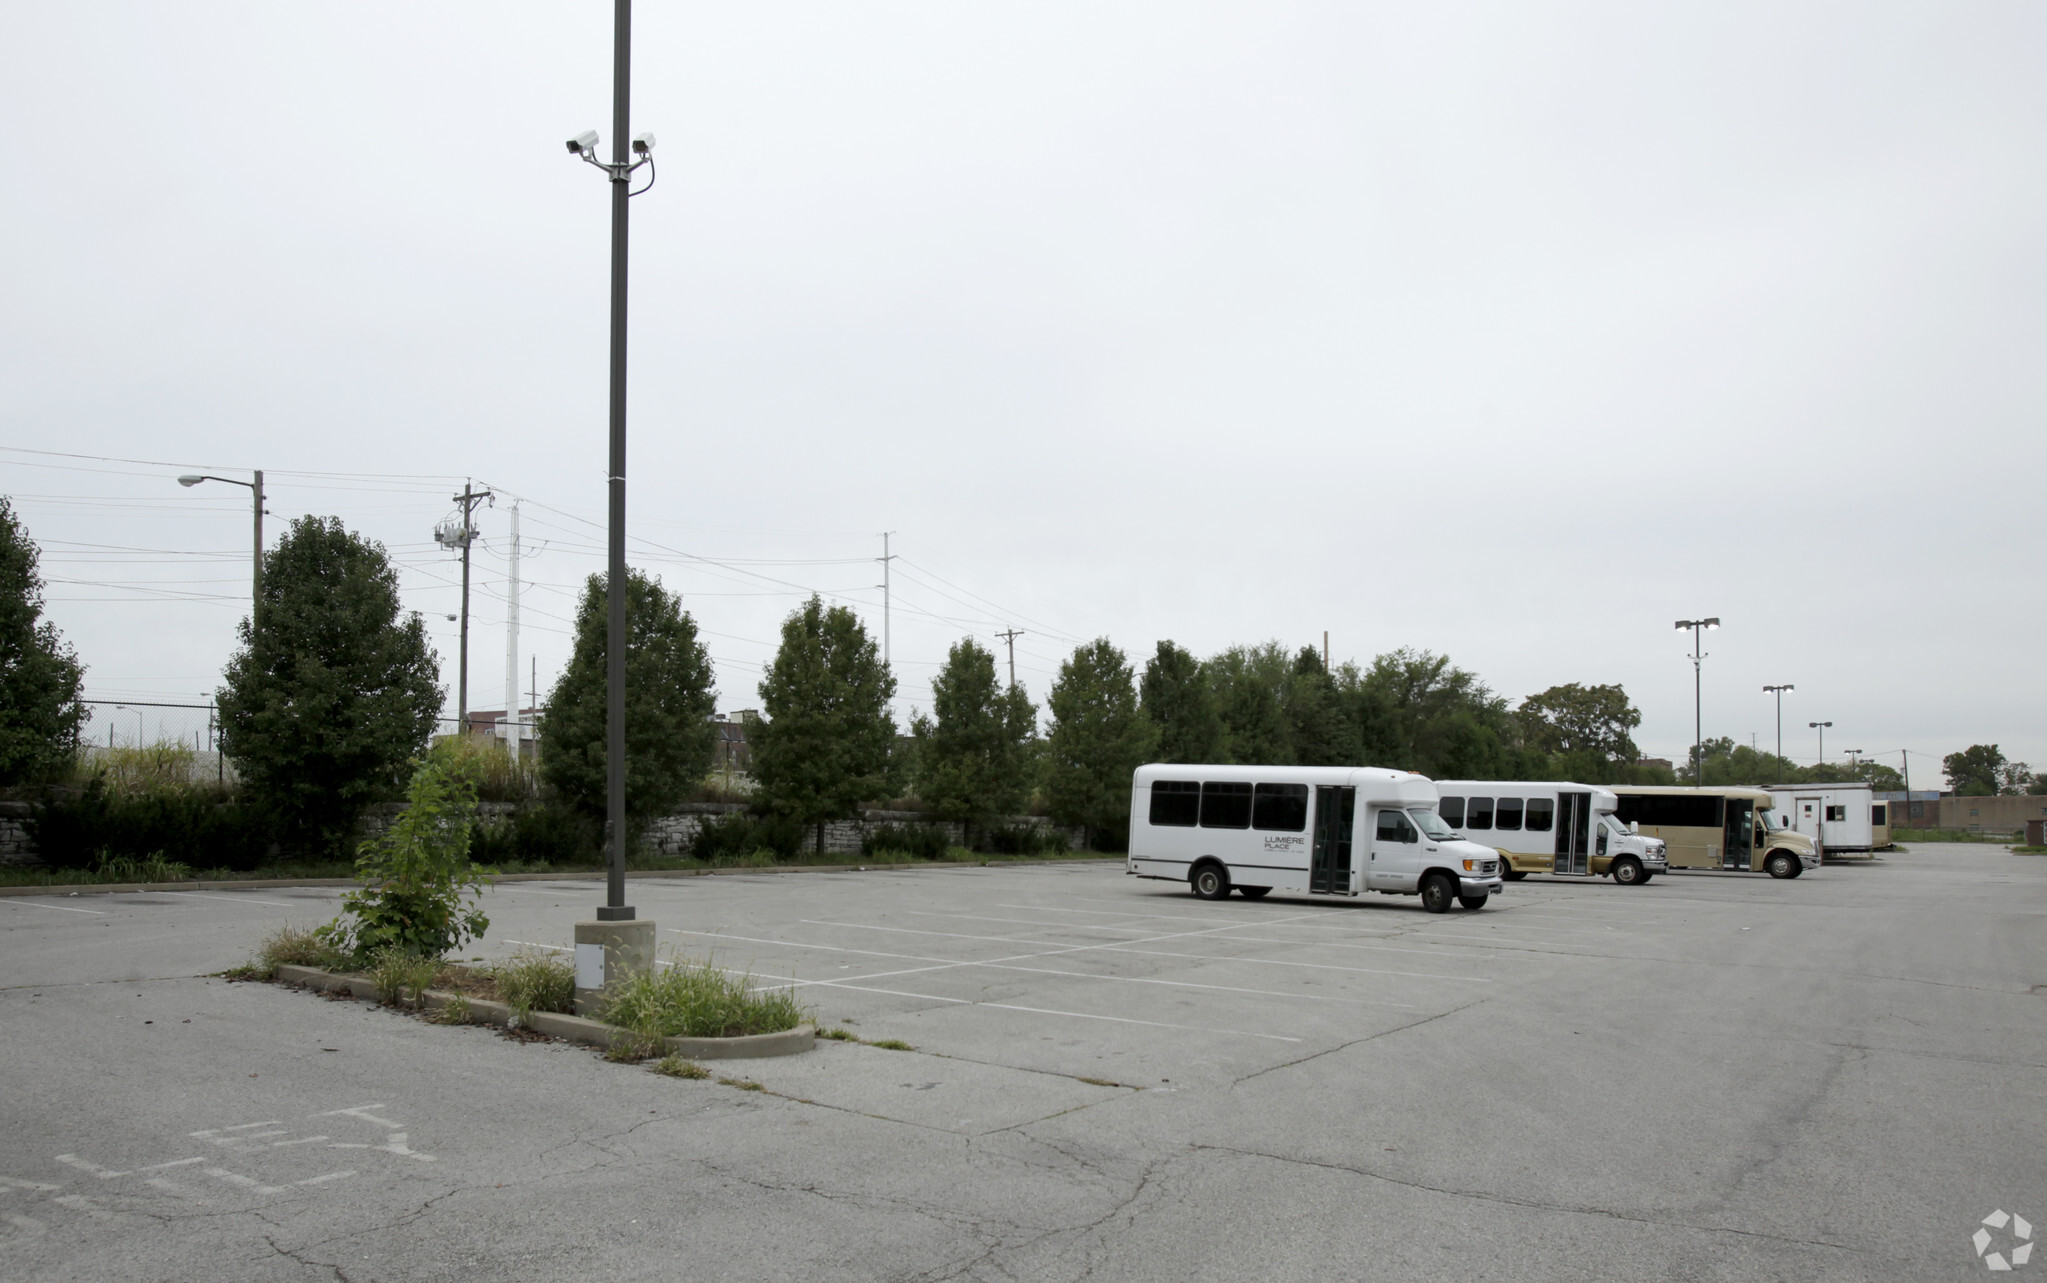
x=1842 y=819
x=1303 y=829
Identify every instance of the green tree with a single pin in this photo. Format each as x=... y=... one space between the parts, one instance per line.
x=826 y=743
x=2014 y=778
x=1098 y=739
x=40 y=675
x=1975 y=771
x=1587 y=726
x=1177 y=699
x=1441 y=721
x=330 y=695
x=669 y=699
x=973 y=751
x=1252 y=685
x=1318 y=731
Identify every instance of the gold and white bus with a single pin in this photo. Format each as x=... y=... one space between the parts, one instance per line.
x=1564 y=829
x=1734 y=829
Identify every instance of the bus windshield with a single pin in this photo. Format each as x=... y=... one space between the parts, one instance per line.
x=1772 y=820
x=1431 y=824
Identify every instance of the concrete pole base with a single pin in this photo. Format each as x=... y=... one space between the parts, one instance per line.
x=607 y=955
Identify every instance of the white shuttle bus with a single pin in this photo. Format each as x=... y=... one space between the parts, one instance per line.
x=1312 y=830
x=1547 y=827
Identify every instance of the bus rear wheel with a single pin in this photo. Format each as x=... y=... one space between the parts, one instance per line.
x=1437 y=893
x=1253 y=893
x=1781 y=864
x=1627 y=871
x=1210 y=882
x=1508 y=871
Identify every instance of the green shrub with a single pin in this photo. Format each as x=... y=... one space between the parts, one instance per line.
x=417 y=873
x=922 y=841
x=679 y=1067
x=1024 y=839
x=692 y=998
x=735 y=836
x=134 y=819
x=551 y=833
x=401 y=977
x=150 y=868
x=532 y=981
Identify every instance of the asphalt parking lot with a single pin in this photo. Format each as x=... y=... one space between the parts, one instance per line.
x=1710 y=1077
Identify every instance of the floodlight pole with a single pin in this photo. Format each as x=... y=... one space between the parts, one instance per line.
x=1821 y=727
x=1778 y=768
x=1698 y=698
x=615 y=909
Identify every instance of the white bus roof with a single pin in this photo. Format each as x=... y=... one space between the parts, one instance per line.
x=1377 y=783
x=1760 y=796
x=1603 y=797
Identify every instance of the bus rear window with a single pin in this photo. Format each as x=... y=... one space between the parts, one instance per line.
x=1668 y=810
x=1452 y=811
x=1225 y=806
x=1508 y=814
x=1280 y=807
x=1175 y=803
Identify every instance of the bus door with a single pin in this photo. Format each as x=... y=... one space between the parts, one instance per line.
x=1335 y=813
x=1739 y=838
x=1574 y=832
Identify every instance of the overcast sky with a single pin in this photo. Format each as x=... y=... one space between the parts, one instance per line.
x=1512 y=331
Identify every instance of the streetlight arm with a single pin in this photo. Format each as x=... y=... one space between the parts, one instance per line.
x=193 y=479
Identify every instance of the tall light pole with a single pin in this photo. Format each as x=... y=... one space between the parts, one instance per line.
x=256 y=488
x=1778 y=769
x=1821 y=727
x=619 y=171
x=1698 y=697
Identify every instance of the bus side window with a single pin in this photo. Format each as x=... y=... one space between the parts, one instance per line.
x=1540 y=809
x=1394 y=827
x=1175 y=803
x=1508 y=816
x=1452 y=811
x=1478 y=813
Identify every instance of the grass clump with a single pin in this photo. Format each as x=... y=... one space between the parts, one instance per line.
x=839 y=1035
x=891 y=1044
x=402 y=978
x=679 y=1067
x=453 y=1012
x=294 y=945
x=532 y=981
x=692 y=998
x=744 y=1084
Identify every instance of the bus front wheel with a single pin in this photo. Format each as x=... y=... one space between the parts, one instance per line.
x=1781 y=864
x=1628 y=872
x=1437 y=893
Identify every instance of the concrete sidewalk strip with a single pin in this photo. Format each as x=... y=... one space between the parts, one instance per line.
x=596 y=1033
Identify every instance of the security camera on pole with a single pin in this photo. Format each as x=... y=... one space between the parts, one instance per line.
x=614 y=947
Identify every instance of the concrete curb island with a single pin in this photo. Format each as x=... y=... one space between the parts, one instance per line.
x=554 y=1024
x=263 y=884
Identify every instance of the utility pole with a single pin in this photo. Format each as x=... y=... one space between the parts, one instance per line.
x=886 y=654
x=512 y=719
x=619 y=172
x=1698 y=697
x=1325 y=650
x=461 y=537
x=1778 y=769
x=256 y=488
x=1011 y=637
x=1905 y=760
x=1821 y=727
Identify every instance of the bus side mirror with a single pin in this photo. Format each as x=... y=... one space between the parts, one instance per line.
x=1634 y=826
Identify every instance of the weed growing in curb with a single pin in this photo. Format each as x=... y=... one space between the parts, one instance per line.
x=454 y=1012
x=533 y=981
x=294 y=945
x=695 y=999
x=891 y=1044
x=1100 y=1082
x=679 y=1067
x=631 y=1049
x=402 y=978
x=839 y=1035
x=744 y=1084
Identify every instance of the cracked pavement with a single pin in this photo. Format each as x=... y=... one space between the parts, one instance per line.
x=1705 y=1078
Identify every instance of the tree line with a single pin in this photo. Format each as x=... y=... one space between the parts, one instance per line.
x=333 y=692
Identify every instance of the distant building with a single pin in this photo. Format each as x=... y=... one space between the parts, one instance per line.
x=731 y=752
x=1655 y=763
x=1930 y=810
x=520 y=734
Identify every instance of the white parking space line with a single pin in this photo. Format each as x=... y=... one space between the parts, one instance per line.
x=535 y=944
x=946 y=964
x=1046 y=1011
x=38 y=904
x=1118 y=946
x=1050 y=926
x=235 y=899
x=535 y=891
